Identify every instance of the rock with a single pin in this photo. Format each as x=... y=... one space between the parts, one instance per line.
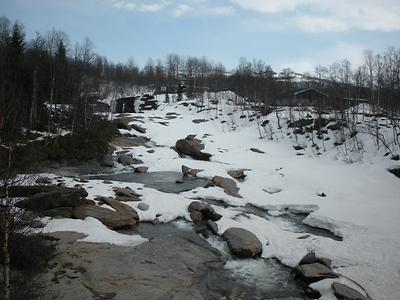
x=127 y=199
x=20 y=191
x=189 y=171
x=130 y=141
x=110 y=218
x=141 y=169
x=107 y=161
x=344 y=292
x=50 y=200
x=310 y=273
x=207 y=211
x=125 y=159
x=297 y=148
x=228 y=184
x=63 y=212
x=212 y=226
x=237 y=174
x=311 y=258
x=143 y=206
x=192 y=148
x=242 y=242
x=121 y=208
x=256 y=150
x=138 y=128
x=126 y=192
x=321 y=195
x=122 y=123
x=198 y=121
x=196 y=216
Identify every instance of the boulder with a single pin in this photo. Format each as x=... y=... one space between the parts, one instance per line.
x=310 y=273
x=311 y=258
x=141 y=169
x=228 y=184
x=237 y=174
x=23 y=191
x=192 y=148
x=127 y=199
x=43 y=180
x=346 y=293
x=125 y=159
x=138 y=128
x=206 y=210
x=110 y=218
x=121 y=208
x=63 y=212
x=242 y=242
x=198 y=121
x=50 y=200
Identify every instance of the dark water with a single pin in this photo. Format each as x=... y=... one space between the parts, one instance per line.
x=246 y=279
x=161 y=181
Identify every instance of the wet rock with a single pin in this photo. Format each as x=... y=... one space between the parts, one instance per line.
x=228 y=184
x=141 y=169
x=126 y=192
x=343 y=292
x=256 y=150
x=196 y=216
x=310 y=273
x=138 y=128
x=110 y=218
x=242 y=242
x=192 y=148
x=237 y=174
x=143 y=206
x=212 y=226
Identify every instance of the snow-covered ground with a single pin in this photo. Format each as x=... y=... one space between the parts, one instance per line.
x=362 y=202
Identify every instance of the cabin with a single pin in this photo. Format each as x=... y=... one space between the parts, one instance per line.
x=311 y=97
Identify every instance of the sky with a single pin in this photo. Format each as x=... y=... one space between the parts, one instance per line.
x=299 y=34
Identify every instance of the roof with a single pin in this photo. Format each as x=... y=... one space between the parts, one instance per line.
x=310 y=90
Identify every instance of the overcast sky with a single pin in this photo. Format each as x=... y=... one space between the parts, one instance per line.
x=285 y=33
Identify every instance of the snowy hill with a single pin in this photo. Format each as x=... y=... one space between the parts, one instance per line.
x=339 y=181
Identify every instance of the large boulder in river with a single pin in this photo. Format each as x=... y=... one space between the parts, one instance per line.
x=310 y=273
x=192 y=148
x=242 y=242
x=110 y=218
x=228 y=184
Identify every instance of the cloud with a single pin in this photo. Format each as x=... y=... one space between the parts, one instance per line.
x=330 y=15
x=140 y=6
x=270 y=6
x=181 y=9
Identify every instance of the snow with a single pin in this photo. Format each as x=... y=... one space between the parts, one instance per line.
x=96 y=232
x=361 y=204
